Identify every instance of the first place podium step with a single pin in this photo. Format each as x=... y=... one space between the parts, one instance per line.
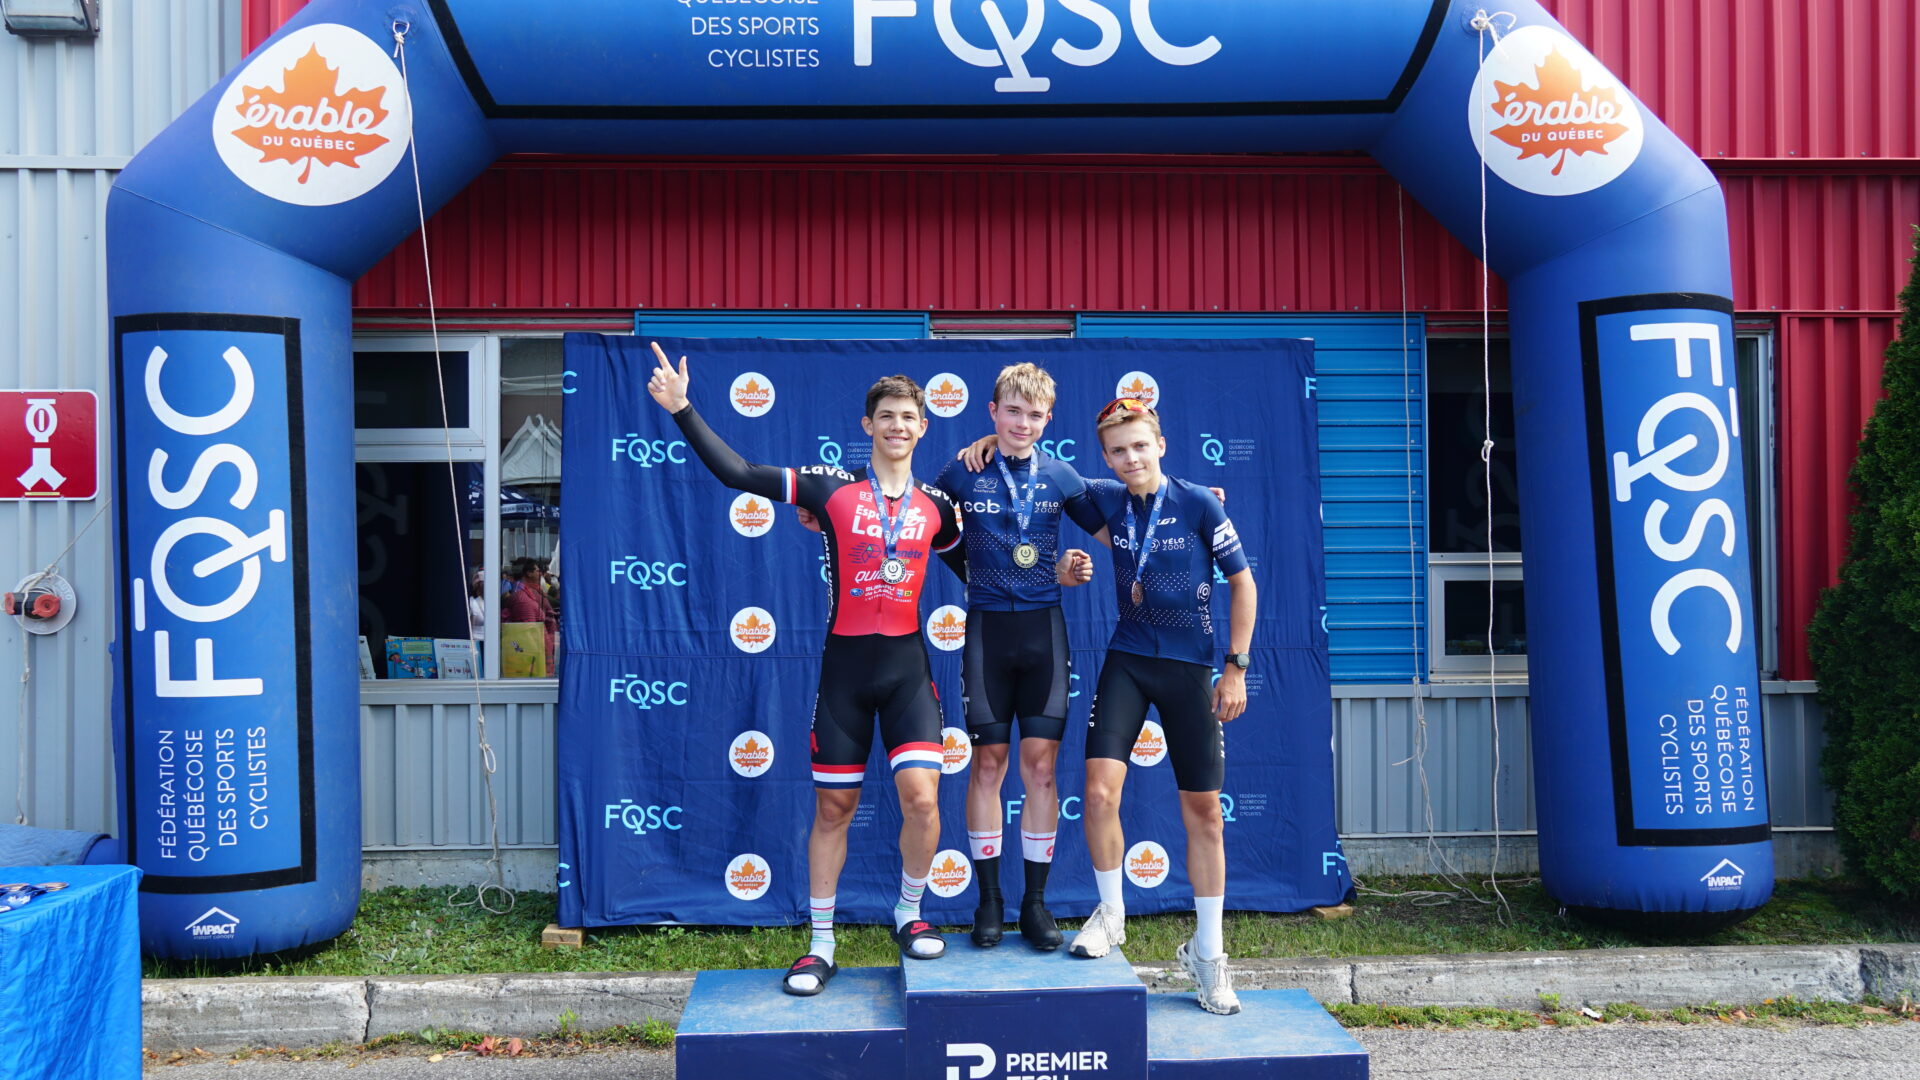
x=1007 y=1013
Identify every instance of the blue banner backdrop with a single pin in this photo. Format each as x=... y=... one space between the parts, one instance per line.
x=695 y=617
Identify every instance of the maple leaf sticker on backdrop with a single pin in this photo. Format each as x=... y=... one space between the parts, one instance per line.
x=314 y=120
x=317 y=118
x=1558 y=117
x=1549 y=118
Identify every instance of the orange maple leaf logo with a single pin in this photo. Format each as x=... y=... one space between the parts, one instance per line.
x=1140 y=392
x=1557 y=118
x=313 y=119
x=749 y=747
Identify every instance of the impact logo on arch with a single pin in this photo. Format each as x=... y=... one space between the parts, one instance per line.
x=317 y=118
x=1555 y=120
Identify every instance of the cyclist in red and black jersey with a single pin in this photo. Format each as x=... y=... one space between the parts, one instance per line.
x=882 y=531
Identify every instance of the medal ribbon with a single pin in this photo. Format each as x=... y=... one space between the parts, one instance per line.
x=1153 y=521
x=1022 y=504
x=890 y=521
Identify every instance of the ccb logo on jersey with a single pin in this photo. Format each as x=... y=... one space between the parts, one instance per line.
x=947 y=628
x=752 y=630
x=956 y=750
x=946 y=395
x=951 y=873
x=748 y=877
x=1147 y=864
x=1151 y=747
x=1140 y=386
x=752 y=394
x=751 y=753
x=750 y=515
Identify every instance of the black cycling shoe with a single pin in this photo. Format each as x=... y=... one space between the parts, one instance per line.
x=1036 y=925
x=988 y=921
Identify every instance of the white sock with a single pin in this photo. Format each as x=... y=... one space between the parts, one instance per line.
x=984 y=845
x=1109 y=883
x=908 y=909
x=822 y=943
x=1037 y=846
x=1208 y=943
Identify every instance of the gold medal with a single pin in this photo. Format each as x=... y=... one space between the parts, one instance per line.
x=1139 y=594
x=1025 y=556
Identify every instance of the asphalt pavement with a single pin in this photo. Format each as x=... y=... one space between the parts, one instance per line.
x=1712 y=1051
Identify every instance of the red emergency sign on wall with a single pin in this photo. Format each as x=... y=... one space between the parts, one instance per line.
x=49 y=444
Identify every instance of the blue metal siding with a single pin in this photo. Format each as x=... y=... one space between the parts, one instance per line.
x=1369 y=374
x=783 y=324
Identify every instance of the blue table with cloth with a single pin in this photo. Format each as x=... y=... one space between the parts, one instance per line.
x=70 y=975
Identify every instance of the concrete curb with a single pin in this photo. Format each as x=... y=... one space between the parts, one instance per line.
x=220 y=1015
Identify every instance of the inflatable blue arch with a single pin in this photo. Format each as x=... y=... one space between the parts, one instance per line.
x=234 y=237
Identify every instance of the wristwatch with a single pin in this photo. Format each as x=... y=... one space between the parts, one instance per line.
x=1240 y=660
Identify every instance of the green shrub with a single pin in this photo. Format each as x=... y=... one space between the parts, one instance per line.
x=1865 y=638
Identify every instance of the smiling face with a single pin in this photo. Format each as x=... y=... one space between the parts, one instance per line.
x=1018 y=423
x=896 y=424
x=1133 y=450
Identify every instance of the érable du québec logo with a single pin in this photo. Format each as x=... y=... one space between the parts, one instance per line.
x=317 y=118
x=1556 y=121
x=946 y=395
x=1151 y=747
x=1146 y=864
x=751 y=516
x=947 y=628
x=748 y=877
x=1140 y=386
x=951 y=874
x=752 y=630
x=751 y=394
x=751 y=753
x=956 y=750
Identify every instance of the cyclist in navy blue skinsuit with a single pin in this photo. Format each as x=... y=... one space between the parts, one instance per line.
x=1167 y=536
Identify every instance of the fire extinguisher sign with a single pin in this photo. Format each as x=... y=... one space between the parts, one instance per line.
x=49 y=445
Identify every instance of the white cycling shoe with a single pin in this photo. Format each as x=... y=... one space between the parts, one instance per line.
x=1103 y=929
x=1213 y=983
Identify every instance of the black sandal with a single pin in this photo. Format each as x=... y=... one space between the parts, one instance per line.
x=919 y=930
x=819 y=967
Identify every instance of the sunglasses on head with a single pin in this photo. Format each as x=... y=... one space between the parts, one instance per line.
x=1125 y=404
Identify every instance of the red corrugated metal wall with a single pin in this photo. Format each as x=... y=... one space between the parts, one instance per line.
x=1806 y=107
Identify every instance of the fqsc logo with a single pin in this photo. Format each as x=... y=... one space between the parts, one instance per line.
x=640 y=818
x=1009 y=50
x=646 y=574
x=647 y=453
x=647 y=694
x=319 y=117
x=1555 y=121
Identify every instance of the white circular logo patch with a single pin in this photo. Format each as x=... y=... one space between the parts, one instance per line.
x=1556 y=121
x=956 y=750
x=947 y=628
x=751 y=753
x=751 y=394
x=1146 y=864
x=748 y=877
x=1140 y=386
x=752 y=630
x=318 y=118
x=951 y=874
x=1151 y=747
x=946 y=394
x=750 y=515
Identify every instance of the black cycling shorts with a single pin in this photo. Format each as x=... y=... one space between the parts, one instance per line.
x=1015 y=666
x=867 y=674
x=1183 y=694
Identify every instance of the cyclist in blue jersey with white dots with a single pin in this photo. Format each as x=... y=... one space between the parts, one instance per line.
x=1167 y=536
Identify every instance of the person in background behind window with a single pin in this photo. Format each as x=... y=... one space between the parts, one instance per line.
x=527 y=602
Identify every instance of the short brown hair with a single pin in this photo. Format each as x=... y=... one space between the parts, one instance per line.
x=896 y=386
x=1030 y=381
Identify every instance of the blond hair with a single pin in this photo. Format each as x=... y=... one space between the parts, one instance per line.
x=1030 y=381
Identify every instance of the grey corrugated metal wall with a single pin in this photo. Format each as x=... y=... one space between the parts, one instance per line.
x=77 y=111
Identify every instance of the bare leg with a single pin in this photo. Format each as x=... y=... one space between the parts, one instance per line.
x=1206 y=853
x=1106 y=842
x=1041 y=811
x=984 y=811
x=827 y=844
x=919 y=819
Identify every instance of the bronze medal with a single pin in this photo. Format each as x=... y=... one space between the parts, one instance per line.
x=1139 y=594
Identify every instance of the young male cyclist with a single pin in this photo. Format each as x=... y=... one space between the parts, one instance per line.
x=1167 y=537
x=882 y=530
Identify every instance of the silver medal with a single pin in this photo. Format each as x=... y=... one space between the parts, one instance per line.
x=893 y=571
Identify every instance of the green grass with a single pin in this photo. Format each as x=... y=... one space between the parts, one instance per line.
x=418 y=932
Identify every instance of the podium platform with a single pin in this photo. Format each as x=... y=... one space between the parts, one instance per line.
x=1007 y=1013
